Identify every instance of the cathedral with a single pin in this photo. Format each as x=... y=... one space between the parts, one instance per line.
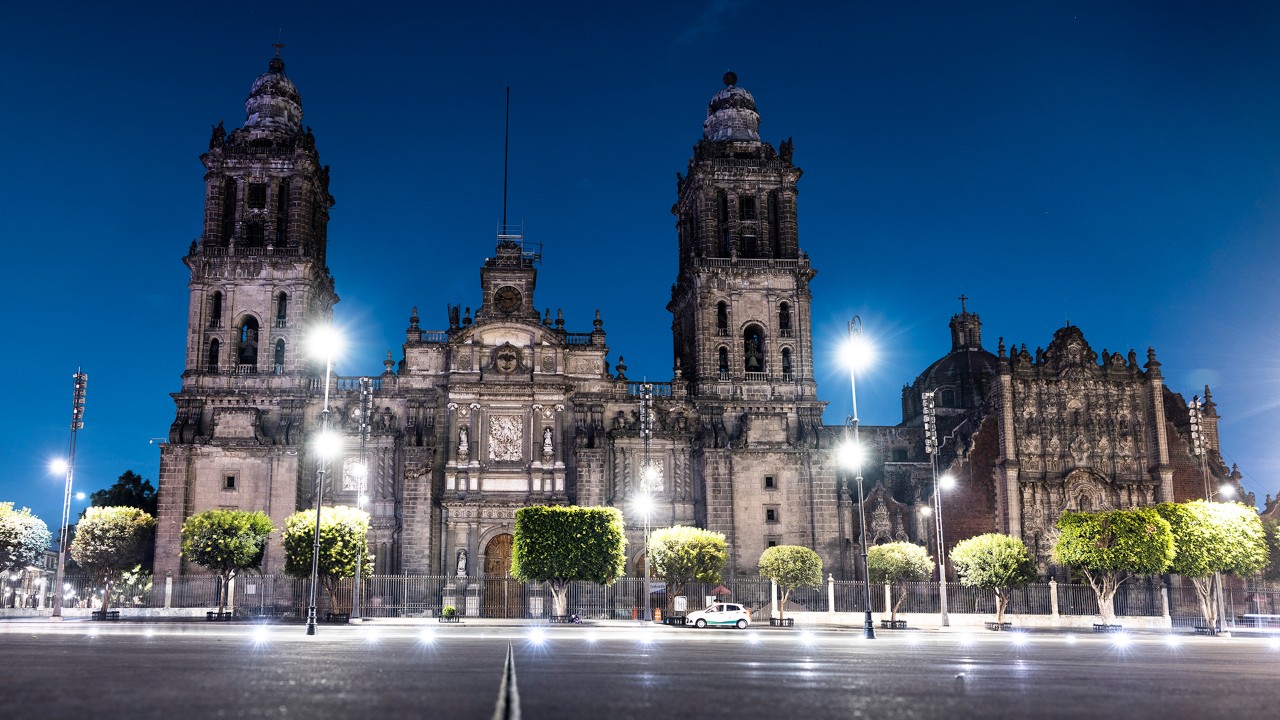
x=506 y=407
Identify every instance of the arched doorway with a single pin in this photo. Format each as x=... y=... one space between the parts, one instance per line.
x=503 y=594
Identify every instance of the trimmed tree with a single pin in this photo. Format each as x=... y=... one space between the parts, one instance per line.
x=791 y=567
x=23 y=539
x=1109 y=547
x=558 y=545
x=1212 y=538
x=344 y=537
x=111 y=541
x=995 y=562
x=226 y=542
x=1271 y=529
x=681 y=554
x=898 y=563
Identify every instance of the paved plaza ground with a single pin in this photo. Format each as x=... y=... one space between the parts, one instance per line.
x=83 y=669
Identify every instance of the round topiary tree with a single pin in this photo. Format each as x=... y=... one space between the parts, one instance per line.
x=1211 y=538
x=1109 y=547
x=226 y=542
x=791 y=567
x=995 y=562
x=898 y=563
x=344 y=537
x=558 y=545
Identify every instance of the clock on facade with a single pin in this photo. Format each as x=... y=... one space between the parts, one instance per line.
x=507 y=299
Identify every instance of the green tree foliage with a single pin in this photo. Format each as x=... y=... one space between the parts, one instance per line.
x=226 y=542
x=995 y=562
x=23 y=539
x=1109 y=547
x=897 y=563
x=558 y=545
x=111 y=541
x=1211 y=538
x=129 y=490
x=680 y=555
x=344 y=537
x=791 y=567
x=1271 y=530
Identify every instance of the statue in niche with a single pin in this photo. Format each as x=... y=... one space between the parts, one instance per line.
x=547 y=450
x=464 y=447
x=462 y=562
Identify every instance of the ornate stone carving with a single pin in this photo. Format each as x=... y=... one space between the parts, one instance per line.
x=506 y=433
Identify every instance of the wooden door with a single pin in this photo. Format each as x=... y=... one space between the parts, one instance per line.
x=504 y=596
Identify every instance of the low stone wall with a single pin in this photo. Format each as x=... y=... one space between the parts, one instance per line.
x=933 y=621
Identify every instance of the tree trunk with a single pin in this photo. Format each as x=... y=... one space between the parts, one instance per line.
x=559 y=596
x=1204 y=593
x=106 y=598
x=1002 y=602
x=782 y=606
x=1104 y=588
x=902 y=595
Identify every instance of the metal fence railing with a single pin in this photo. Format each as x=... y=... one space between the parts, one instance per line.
x=427 y=595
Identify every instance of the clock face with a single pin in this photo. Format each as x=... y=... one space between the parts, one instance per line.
x=507 y=299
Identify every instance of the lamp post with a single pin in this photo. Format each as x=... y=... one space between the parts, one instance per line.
x=80 y=381
x=855 y=450
x=931 y=447
x=647 y=475
x=1197 y=447
x=366 y=397
x=323 y=343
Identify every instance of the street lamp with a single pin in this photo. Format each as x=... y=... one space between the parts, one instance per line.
x=80 y=381
x=644 y=505
x=362 y=473
x=931 y=447
x=648 y=474
x=857 y=354
x=324 y=343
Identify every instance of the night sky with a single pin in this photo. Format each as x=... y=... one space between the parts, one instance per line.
x=1116 y=165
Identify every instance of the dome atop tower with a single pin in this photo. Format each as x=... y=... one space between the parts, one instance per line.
x=731 y=114
x=273 y=103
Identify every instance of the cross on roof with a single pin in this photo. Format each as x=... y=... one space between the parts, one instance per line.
x=962 y=299
x=277 y=45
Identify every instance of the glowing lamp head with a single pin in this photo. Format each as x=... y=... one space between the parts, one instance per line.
x=858 y=352
x=324 y=342
x=850 y=455
x=58 y=466
x=79 y=496
x=946 y=482
x=328 y=444
x=925 y=510
x=1227 y=491
x=643 y=504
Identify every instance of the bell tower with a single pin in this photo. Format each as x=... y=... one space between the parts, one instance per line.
x=741 y=299
x=258 y=285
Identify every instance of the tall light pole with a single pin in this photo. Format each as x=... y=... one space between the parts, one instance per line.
x=854 y=350
x=1197 y=447
x=323 y=343
x=366 y=397
x=931 y=447
x=80 y=381
x=647 y=475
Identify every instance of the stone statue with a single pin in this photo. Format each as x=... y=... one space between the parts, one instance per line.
x=219 y=135
x=464 y=447
x=547 y=450
x=462 y=562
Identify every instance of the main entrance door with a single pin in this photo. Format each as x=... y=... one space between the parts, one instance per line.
x=503 y=594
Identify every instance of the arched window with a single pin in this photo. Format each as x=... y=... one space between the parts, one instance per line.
x=784 y=319
x=282 y=309
x=279 y=358
x=722 y=319
x=753 y=349
x=247 y=352
x=948 y=398
x=786 y=361
x=215 y=311
x=252 y=234
x=724 y=363
x=211 y=362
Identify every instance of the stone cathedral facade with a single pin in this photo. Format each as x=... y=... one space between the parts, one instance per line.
x=507 y=407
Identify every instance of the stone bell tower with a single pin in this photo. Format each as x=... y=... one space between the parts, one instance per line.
x=258 y=284
x=741 y=300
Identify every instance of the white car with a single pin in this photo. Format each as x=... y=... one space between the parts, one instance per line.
x=720 y=615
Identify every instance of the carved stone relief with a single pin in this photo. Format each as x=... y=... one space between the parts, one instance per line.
x=506 y=435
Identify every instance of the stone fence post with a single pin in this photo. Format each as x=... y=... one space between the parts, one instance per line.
x=168 y=591
x=831 y=593
x=1053 y=598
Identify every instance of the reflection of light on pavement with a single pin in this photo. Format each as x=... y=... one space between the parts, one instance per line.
x=806 y=638
x=1275 y=643
x=964 y=639
x=261 y=634
x=427 y=636
x=1173 y=641
x=753 y=638
x=1071 y=639
x=592 y=637
x=1019 y=638
x=537 y=636
x=1121 y=640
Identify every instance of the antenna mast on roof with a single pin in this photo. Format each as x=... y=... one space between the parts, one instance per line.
x=512 y=247
x=506 y=153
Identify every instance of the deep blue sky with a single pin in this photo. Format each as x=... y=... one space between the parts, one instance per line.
x=1114 y=164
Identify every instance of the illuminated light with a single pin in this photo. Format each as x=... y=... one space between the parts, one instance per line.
x=324 y=342
x=753 y=638
x=964 y=639
x=58 y=466
x=328 y=444
x=591 y=637
x=1227 y=491
x=537 y=636
x=1071 y=639
x=261 y=634
x=1121 y=640
x=428 y=635
x=858 y=352
x=850 y=455
x=643 y=504
x=79 y=496
x=925 y=510
x=806 y=638
x=913 y=639
x=1274 y=644
x=946 y=482
x=651 y=473
x=149 y=633
x=1019 y=638
x=1172 y=640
